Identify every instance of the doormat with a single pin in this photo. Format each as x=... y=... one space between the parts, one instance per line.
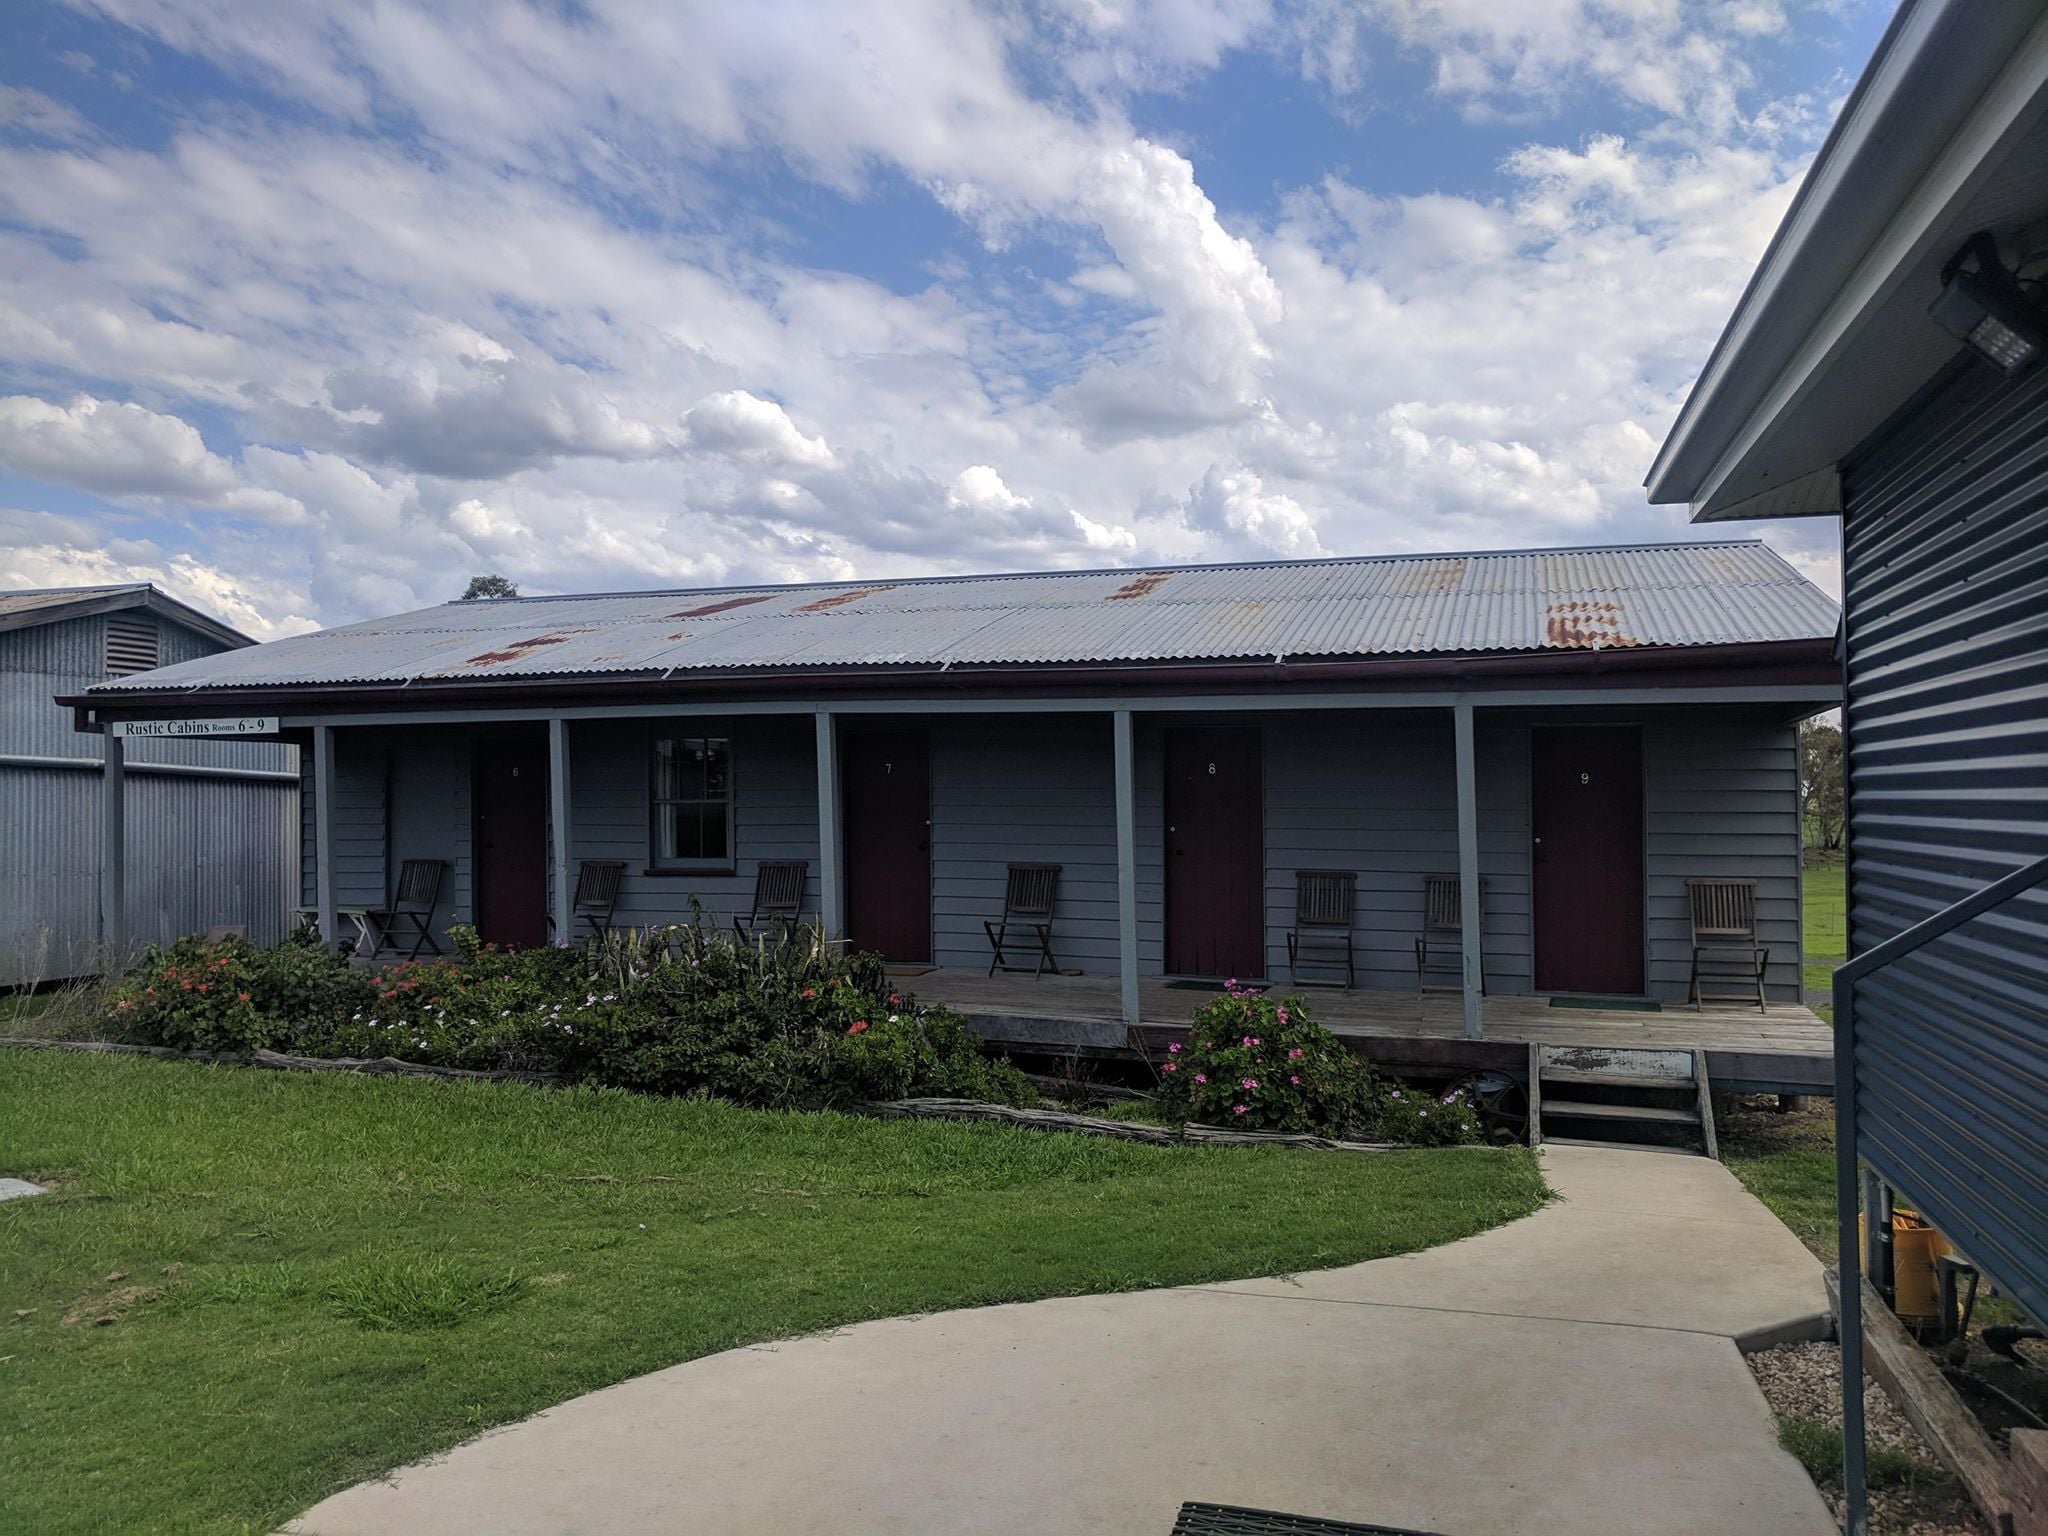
x=1611 y=1004
x=1228 y=1520
x=908 y=970
x=1189 y=984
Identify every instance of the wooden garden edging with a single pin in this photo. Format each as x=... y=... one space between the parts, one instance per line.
x=1121 y=1130
x=278 y=1061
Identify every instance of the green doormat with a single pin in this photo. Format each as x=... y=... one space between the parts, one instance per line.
x=1612 y=1004
x=1229 y=1520
x=1191 y=984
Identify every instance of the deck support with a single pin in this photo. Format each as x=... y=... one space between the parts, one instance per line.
x=1468 y=871
x=113 y=853
x=831 y=903
x=558 y=807
x=1126 y=864
x=323 y=833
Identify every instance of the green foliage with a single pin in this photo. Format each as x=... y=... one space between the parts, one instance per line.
x=687 y=1009
x=398 y=1292
x=1818 y=1448
x=1822 y=804
x=1259 y=1063
x=489 y=584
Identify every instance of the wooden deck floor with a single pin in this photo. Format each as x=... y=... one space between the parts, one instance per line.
x=1786 y=1049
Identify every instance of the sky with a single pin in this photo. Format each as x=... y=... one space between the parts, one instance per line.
x=309 y=313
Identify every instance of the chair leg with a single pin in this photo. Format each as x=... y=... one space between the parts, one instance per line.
x=1045 y=955
x=1693 y=986
x=1350 y=964
x=995 y=942
x=1763 y=959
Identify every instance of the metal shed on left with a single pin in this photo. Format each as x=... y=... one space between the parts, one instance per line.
x=211 y=827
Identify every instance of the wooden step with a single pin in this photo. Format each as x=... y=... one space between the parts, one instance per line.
x=1553 y=1074
x=1617 y=1146
x=1579 y=1110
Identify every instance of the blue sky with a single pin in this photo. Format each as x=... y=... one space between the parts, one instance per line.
x=307 y=313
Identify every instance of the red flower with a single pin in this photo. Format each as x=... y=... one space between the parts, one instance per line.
x=810 y=991
x=894 y=999
x=202 y=986
x=858 y=1026
x=186 y=985
x=241 y=997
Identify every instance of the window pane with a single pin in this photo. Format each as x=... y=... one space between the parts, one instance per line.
x=713 y=829
x=717 y=768
x=667 y=771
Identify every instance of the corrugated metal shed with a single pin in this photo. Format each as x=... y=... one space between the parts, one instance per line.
x=1946 y=568
x=1535 y=600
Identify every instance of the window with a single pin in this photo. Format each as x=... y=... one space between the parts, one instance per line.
x=691 y=801
x=131 y=644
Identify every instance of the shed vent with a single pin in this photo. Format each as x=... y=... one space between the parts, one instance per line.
x=131 y=644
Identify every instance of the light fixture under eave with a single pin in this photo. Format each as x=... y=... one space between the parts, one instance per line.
x=1987 y=307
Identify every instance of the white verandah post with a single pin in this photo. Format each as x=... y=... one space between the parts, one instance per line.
x=1126 y=865
x=558 y=794
x=1468 y=871
x=323 y=833
x=113 y=852
x=831 y=908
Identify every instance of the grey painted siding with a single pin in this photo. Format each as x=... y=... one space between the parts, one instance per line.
x=199 y=851
x=1721 y=798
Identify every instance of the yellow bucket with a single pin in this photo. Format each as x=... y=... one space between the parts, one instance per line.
x=1916 y=1290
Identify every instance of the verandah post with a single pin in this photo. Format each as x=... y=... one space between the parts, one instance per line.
x=323 y=833
x=1468 y=869
x=558 y=794
x=1126 y=864
x=113 y=852
x=831 y=913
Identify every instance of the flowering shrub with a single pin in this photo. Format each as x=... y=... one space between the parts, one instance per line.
x=913 y=1050
x=1260 y=1063
x=193 y=996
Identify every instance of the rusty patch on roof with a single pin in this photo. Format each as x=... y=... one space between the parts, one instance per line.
x=1140 y=586
x=1434 y=576
x=1586 y=626
x=723 y=607
x=517 y=649
x=841 y=599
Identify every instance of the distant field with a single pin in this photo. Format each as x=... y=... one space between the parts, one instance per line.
x=1827 y=928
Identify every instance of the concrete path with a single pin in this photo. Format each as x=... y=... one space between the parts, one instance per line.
x=1571 y=1374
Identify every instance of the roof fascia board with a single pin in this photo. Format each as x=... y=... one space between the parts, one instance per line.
x=2005 y=112
x=1821 y=695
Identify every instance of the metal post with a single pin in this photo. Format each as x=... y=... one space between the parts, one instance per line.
x=1468 y=870
x=113 y=853
x=831 y=913
x=323 y=833
x=1848 y=1272
x=1126 y=863
x=558 y=794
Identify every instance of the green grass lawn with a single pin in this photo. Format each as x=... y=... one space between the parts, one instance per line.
x=1826 y=925
x=307 y=1280
x=1788 y=1162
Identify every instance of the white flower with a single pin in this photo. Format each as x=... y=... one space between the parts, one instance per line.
x=894 y=1017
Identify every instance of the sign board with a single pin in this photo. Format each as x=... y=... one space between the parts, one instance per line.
x=246 y=725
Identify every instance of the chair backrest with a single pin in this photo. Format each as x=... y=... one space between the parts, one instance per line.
x=779 y=886
x=1442 y=904
x=1722 y=909
x=419 y=884
x=1031 y=890
x=1324 y=898
x=597 y=883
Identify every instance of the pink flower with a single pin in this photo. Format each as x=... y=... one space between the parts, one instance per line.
x=1247 y=1040
x=1174 y=1048
x=1251 y=1082
x=1295 y=1080
x=1295 y=1054
x=1257 y=1041
x=1201 y=1077
x=1173 y=1066
x=857 y=1027
x=1239 y=1110
x=1281 y=1015
x=1395 y=1094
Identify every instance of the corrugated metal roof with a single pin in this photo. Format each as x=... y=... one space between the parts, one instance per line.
x=26 y=608
x=1530 y=600
x=33 y=598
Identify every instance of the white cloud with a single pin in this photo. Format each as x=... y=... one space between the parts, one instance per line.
x=744 y=425
x=114 y=448
x=1234 y=505
x=262 y=612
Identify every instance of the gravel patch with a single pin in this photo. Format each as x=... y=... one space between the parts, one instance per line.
x=1804 y=1381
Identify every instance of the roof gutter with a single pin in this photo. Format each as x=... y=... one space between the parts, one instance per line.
x=1795 y=662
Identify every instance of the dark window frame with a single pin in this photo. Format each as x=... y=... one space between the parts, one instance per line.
x=657 y=862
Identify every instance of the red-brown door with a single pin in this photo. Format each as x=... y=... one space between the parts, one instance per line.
x=1586 y=813
x=1215 y=853
x=511 y=841
x=885 y=799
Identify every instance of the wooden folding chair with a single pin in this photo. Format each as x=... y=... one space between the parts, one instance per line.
x=411 y=909
x=1725 y=947
x=778 y=898
x=1029 y=896
x=1441 y=948
x=1324 y=903
x=597 y=894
